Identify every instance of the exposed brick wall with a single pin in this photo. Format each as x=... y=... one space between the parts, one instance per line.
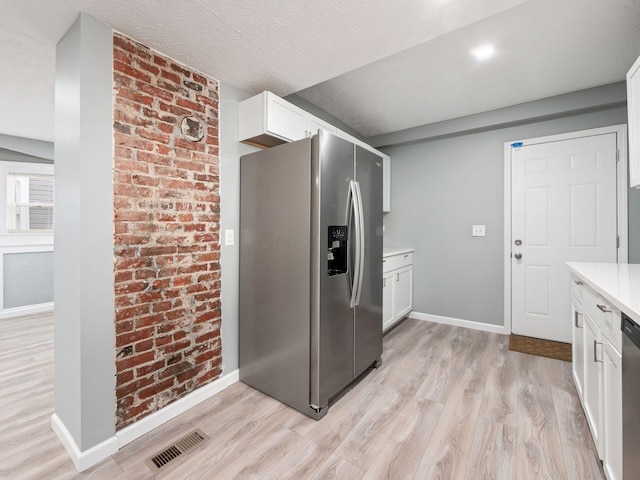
x=166 y=214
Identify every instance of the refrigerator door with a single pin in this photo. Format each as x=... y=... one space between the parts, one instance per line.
x=332 y=330
x=368 y=312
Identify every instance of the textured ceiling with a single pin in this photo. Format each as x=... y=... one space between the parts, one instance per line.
x=378 y=65
x=544 y=48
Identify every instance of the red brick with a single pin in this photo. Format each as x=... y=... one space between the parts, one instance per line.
x=147 y=320
x=189 y=165
x=128 y=141
x=188 y=104
x=209 y=375
x=155 y=388
x=130 y=71
x=134 y=336
x=170 y=76
x=181 y=70
x=207 y=101
x=132 y=190
x=123 y=326
x=126 y=288
x=133 y=387
x=123 y=276
x=163 y=117
x=143 y=346
x=150 y=368
x=124 y=377
x=201 y=79
x=153 y=158
x=158 y=60
x=131 y=165
x=134 y=361
x=167 y=107
x=137 y=120
x=152 y=69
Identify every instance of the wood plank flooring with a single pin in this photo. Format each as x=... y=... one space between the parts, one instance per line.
x=447 y=403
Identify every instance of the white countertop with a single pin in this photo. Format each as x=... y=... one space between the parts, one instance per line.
x=619 y=283
x=390 y=251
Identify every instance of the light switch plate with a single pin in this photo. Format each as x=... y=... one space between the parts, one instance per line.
x=229 y=238
x=477 y=231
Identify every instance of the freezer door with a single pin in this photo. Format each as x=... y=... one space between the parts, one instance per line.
x=332 y=329
x=368 y=312
x=275 y=271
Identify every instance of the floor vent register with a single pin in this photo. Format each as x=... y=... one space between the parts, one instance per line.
x=168 y=456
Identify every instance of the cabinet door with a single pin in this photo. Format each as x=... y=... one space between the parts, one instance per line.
x=633 y=108
x=612 y=412
x=314 y=124
x=388 y=288
x=592 y=388
x=577 y=320
x=403 y=301
x=284 y=119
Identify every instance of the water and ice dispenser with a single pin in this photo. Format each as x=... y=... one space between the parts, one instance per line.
x=337 y=253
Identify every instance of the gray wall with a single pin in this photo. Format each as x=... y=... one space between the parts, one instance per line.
x=83 y=236
x=230 y=152
x=441 y=186
x=27 y=279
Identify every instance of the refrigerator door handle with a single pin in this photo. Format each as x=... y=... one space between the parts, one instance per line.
x=360 y=247
x=353 y=193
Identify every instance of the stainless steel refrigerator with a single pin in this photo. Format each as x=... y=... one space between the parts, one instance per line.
x=310 y=269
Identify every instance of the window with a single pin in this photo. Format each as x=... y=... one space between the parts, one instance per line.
x=29 y=202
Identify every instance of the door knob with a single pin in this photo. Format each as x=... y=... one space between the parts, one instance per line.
x=518 y=256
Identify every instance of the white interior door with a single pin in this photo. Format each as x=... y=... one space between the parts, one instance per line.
x=564 y=208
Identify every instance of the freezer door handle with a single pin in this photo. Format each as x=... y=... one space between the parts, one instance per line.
x=354 y=192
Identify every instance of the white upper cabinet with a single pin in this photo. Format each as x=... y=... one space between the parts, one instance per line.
x=313 y=125
x=633 y=107
x=266 y=120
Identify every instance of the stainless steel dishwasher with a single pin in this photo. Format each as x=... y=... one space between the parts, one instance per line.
x=630 y=398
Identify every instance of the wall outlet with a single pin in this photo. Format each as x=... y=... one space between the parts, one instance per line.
x=229 y=238
x=477 y=231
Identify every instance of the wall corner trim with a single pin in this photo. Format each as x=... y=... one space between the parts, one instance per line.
x=84 y=460
x=87 y=458
x=148 y=423
x=457 y=322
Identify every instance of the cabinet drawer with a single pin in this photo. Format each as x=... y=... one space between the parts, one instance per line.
x=610 y=323
x=588 y=298
x=394 y=262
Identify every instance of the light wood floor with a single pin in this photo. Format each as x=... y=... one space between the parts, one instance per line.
x=447 y=403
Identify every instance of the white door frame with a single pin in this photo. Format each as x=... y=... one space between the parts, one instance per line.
x=622 y=194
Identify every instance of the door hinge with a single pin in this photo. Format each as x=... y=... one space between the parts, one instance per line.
x=617 y=155
x=617 y=241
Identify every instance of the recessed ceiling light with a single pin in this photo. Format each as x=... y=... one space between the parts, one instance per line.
x=483 y=52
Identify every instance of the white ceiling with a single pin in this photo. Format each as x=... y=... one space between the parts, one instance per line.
x=377 y=65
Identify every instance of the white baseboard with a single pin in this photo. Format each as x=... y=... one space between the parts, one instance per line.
x=27 y=310
x=88 y=458
x=148 y=423
x=456 y=322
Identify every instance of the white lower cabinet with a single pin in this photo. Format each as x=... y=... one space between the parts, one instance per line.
x=397 y=288
x=597 y=372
